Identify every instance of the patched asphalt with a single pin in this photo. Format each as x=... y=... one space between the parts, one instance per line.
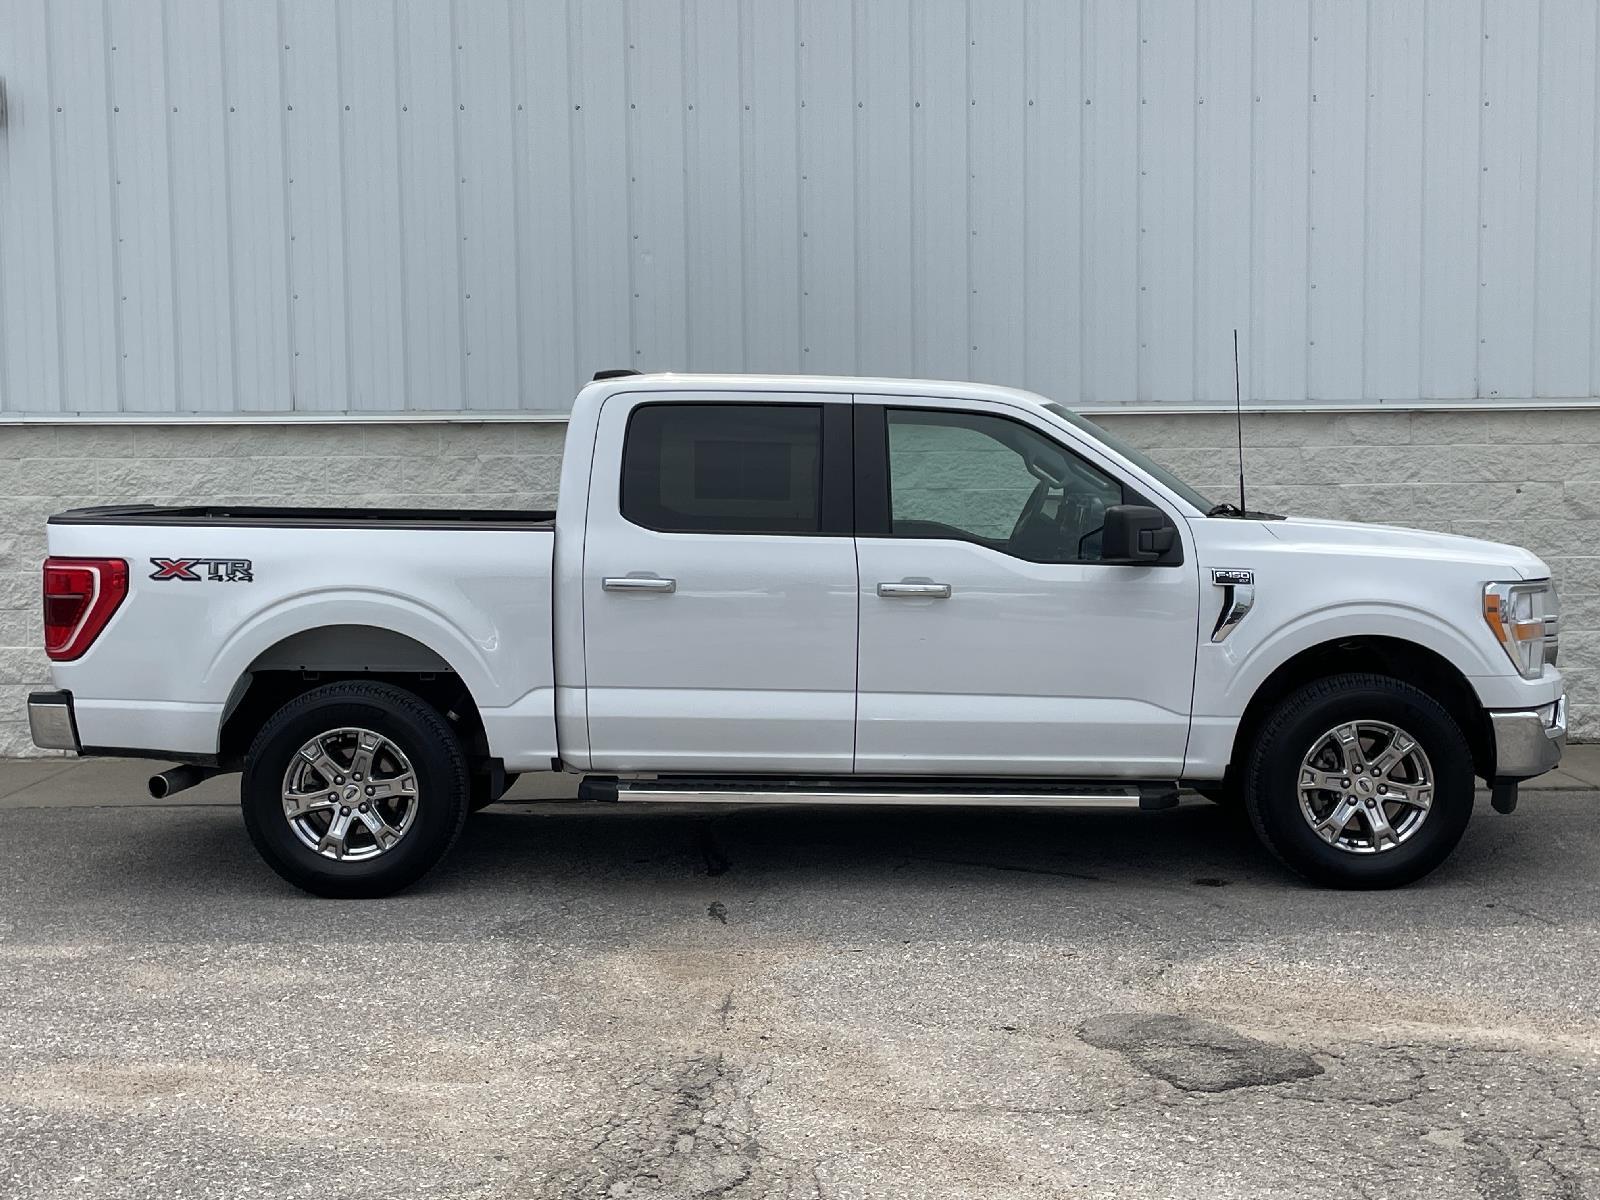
x=610 y=1002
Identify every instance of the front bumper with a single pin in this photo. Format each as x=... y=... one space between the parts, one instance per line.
x=1529 y=742
x=51 y=721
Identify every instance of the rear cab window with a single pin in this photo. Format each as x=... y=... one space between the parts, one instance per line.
x=725 y=468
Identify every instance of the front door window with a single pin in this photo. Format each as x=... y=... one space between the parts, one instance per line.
x=980 y=478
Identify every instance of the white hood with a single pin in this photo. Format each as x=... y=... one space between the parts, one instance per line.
x=1354 y=537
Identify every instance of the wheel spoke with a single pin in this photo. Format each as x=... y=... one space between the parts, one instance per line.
x=297 y=804
x=401 y=787
x=316 y=756
x=383 y=833
x=1399 y=746
x=366 y=749
x=1349 y=739
x=1331 y=826
x=1417 y=795
x=1325 y=781
x=336 y=840
x=1383 y=833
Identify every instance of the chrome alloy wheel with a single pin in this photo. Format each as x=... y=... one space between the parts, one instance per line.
x=1366 y=786
x=350 y=794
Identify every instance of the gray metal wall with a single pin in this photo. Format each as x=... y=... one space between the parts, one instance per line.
x=421 y=204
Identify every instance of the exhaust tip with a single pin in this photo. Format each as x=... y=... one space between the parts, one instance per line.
x=176 y=779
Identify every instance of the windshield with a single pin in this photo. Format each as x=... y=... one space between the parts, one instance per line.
x=1137 y=457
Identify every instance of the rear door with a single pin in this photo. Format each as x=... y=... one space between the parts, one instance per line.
x=719 y=584
x=993 y=640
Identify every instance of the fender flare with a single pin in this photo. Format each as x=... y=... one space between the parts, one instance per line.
x=1352 y=619
x=464 y=654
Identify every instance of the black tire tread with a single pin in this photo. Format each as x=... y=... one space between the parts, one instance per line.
x=1289 y=710
x=381 y=695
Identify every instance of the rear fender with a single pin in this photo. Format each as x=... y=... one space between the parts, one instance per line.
x=353 y=606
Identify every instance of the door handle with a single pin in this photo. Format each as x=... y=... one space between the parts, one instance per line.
x=926 y=591
x=638 y=583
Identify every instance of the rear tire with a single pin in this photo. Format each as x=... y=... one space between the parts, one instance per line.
x=354 y=826
x=1325 y=797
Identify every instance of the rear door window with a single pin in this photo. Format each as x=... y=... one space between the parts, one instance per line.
x=724 y=468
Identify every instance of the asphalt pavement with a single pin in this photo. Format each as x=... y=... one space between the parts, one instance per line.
x=612 y=1001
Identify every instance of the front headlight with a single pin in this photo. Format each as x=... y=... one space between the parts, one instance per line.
x=1524 y=617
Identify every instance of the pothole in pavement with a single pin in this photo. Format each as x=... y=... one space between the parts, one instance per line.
x=1194 y=1055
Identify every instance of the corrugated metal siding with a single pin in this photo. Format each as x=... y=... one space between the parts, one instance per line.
x=382 y=205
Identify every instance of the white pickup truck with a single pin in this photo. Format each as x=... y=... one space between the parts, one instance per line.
x=809 y=590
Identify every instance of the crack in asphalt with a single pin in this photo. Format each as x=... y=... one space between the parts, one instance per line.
x=685 y=1130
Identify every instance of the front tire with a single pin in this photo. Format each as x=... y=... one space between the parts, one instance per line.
x=1360 y=781
x=354 y=789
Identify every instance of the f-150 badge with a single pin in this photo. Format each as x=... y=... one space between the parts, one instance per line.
x=1232 y=578
x=194 y=570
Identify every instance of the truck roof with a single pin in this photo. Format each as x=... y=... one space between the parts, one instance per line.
x=777 y=385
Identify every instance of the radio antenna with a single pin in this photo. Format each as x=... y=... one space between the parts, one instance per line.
x=1238 y=418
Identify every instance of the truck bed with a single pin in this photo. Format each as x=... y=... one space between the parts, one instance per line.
x=218 y=593
x=306 y=518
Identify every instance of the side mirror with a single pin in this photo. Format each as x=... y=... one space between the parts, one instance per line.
x=1136 y=533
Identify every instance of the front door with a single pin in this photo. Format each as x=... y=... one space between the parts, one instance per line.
x=719 y=585
x=993 y=641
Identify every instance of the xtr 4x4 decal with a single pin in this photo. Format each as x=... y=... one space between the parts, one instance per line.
x=193 y=570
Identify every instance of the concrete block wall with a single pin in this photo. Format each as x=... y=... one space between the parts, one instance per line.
x=1532 y=478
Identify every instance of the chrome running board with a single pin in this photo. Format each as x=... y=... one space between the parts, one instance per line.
x=993 y=794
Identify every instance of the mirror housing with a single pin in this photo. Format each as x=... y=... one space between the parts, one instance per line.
x=1137 y=534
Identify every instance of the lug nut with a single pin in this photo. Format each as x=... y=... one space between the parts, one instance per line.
x=356 y=777
x=371 y=790
x=344 y=812
x=1344 y=783
x=363 y=808
x=338 y=778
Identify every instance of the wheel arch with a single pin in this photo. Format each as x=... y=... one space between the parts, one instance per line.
x=310 y=657
x=464 y=649
x=1395 y=657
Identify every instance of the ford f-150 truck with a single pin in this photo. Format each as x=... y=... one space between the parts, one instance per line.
x=809 y=590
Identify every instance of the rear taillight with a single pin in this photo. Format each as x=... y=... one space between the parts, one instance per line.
x=80 y=594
